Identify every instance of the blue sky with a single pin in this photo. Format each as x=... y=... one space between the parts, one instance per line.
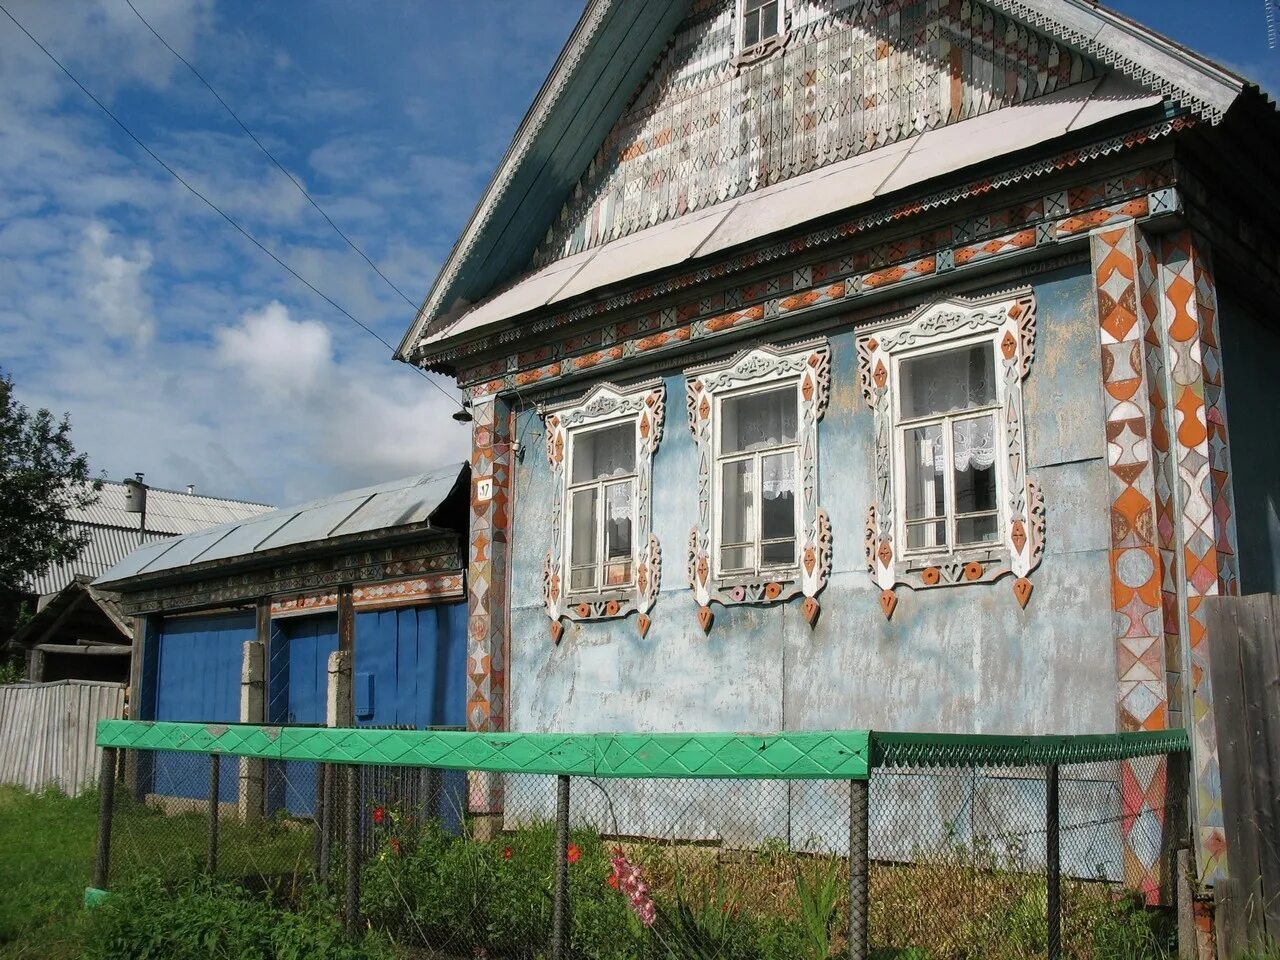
x=180 y=350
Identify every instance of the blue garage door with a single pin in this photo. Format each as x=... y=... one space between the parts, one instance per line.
x=410 y=671
x=297 y=692
x=196 y=671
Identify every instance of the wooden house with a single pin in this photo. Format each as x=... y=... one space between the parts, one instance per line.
x=867 y=363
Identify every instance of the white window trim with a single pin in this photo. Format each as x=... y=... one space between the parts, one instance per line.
x=758 y=569
x=902 y=425
x=601 y=485
x=807 y=366
x=1007 y=320
x=764 y=48
x=606 y=405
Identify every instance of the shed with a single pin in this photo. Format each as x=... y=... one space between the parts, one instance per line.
x=347 y=610
x=78 y=634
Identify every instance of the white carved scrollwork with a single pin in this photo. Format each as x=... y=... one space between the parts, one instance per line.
x=645 y=407
x=1009 y=319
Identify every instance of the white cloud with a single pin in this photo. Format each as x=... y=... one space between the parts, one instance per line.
x=113 y=286
x=277 y=355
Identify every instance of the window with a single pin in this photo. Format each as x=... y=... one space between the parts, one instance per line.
x=756 y=469
x=602 y=507
x=947 y=410
x=953 y=500
x=761 y=536
x=761 y=21
x=603 y=560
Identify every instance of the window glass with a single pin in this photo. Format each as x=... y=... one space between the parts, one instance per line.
x=617 y=533
x=601 y=454
x=756 y=421
x=952 y=380
x=737 y=517
x=582 y=547
x=778 y=509
x=759 y=21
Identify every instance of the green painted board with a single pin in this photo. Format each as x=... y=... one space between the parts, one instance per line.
x=836 y=755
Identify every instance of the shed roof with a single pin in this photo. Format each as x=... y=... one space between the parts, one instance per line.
x=615 y=43
x=420 y=501
x=113 y=530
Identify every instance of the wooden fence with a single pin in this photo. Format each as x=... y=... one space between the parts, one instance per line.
x=1244 y=660
x=47 y=732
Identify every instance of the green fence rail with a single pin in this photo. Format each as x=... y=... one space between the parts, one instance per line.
x=841 y=755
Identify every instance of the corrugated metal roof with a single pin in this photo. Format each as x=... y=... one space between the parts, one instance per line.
x=383 y=507
x=113 y=531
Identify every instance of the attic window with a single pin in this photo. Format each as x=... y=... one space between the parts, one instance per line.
x=761 y=25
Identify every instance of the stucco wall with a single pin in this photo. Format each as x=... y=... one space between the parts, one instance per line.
x=952 y=659
x=1249 y=350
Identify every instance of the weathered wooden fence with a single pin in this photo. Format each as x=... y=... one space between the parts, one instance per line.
x=1244 y=651
x=47 y=732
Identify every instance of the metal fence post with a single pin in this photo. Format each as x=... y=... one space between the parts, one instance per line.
x=211 y=860
x=859 y=888
x=1053 y=862
x=106 y=802
x=318 y=840
x=560 y=905
x=352 y=911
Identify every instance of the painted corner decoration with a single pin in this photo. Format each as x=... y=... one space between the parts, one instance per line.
x=761 y=537
x=605 y=562
x=953 y=502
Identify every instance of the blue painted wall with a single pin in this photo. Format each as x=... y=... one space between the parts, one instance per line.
x=194 y=675
x=297 y=693
x=411 y=666
x=953 y=659
x=1249 y=351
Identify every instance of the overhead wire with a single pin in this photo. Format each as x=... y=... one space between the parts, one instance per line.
x=213 y=206
x=270 y=156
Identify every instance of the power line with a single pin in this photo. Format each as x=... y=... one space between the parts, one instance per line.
x=213 y=206
x=270 y=156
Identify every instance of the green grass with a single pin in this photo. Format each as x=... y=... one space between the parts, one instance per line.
x=46 y=860
x=47 y=845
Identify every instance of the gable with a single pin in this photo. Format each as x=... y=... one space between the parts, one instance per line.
x=854 y=75
x=647 y=118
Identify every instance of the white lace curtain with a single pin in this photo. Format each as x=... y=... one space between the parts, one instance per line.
x=973 y=446
x=602 y=454
x=757 y=422
x=617 y=500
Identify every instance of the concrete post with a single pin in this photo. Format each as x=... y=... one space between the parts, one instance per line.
x=338 y=709
x=253 y=772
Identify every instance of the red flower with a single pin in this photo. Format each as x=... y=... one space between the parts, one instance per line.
x=612 y=880
x=574 y=854
x=379 y=815
x=506 y=853
x=395 y=844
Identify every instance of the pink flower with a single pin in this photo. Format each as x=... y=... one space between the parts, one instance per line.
x=626 y=879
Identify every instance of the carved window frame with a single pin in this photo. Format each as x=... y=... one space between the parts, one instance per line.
x=745 y=56
x=1008 y=320
x=643 y=405
x=808 y=366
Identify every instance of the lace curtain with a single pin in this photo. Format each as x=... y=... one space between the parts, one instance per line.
x=757 y=422
x=973 y=447
x=617 y=499
x=954 y=380
x=602 y=454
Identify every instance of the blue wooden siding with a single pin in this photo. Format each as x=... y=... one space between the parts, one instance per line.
x=194 y=674
x=411 y=666
x=297 y=693
x=410 y=670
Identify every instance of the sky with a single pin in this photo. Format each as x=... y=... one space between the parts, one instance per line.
x=180 y=350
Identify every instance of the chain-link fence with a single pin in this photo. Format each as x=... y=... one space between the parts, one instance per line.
x=933 y=853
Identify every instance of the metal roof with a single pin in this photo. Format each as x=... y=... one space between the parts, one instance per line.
x=810 y=196
x=113 y=531
x=400 y=503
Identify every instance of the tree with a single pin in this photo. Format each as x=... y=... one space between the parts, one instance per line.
x=41 y=479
